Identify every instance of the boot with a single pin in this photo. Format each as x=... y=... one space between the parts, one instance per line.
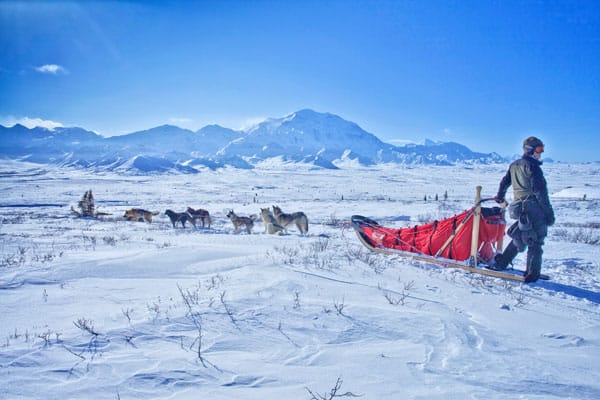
x=493 y=263
x=503 y=259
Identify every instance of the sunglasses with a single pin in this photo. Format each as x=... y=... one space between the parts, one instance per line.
x=539 y=149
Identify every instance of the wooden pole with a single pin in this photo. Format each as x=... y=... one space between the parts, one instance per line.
x=500 y=243
x=451 y=237
x=476 y=221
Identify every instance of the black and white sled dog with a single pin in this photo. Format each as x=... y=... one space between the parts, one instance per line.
x=285 y=220
x=181 y=217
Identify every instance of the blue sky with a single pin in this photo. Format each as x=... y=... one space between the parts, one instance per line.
x=486 y=74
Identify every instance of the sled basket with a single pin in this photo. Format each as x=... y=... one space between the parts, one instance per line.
x=468 y=237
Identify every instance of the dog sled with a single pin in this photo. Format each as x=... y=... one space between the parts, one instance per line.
x=468 y=240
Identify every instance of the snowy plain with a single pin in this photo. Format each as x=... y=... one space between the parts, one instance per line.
x=111 y=309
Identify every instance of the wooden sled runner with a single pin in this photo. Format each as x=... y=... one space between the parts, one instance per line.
x=467 y=241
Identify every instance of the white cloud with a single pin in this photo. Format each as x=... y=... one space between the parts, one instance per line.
x=31 y=122
x=51 y=69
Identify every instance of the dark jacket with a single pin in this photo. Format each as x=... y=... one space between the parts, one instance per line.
x=528 y=182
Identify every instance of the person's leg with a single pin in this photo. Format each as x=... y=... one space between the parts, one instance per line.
x=502 y=260
x=535 y=241
x=534 y=262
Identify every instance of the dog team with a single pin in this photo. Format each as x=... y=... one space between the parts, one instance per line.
x=275 y=222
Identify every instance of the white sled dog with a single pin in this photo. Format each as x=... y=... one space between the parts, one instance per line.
x=238 y=221
x=271 y=225
x=298 y=218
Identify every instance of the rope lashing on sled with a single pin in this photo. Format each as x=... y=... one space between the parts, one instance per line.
x=397 y=238
x=399 y=241
x=455 y=230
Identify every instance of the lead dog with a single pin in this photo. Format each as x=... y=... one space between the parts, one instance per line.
x=285 y=220
x=238 y=221
x=271 y=225
x=200 y=214
x=182 y=217
x=138 y=214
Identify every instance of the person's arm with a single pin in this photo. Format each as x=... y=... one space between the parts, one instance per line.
x=540 y=190
x=504 y=184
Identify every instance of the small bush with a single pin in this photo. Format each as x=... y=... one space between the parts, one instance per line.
x=585 y=235
x=332 y=221
x=110 y=240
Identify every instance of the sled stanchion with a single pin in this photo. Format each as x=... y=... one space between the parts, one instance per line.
x=475 y=232
x=477 y=206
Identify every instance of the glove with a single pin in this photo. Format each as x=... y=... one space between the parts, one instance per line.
x=499 y=199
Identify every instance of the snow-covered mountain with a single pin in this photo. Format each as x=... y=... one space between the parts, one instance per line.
x=323 y=140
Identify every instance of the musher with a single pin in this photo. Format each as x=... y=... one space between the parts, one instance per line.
x=531 y=208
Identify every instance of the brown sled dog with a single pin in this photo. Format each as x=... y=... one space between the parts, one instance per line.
x=137 y=214
x=238 y=221
x=200 y=214
x=181 y=217
x=285 y=220
x=271 y=225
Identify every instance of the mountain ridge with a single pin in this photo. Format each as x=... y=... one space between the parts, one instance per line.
x=323 y=140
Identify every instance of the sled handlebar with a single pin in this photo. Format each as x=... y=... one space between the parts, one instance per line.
x=486 y=199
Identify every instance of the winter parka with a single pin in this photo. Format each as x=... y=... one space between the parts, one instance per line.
x=528 y=182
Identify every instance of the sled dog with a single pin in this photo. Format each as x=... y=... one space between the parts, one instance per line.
x=298 y=218
x=200 y=214
x=181 y=217
x=138 y=214
x=238 y=221
x=271 y=225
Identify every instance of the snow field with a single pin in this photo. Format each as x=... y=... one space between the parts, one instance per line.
x=109 y=309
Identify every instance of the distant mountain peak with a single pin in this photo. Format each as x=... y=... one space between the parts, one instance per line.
x=20 y=126
x=429 y=142
x=323 y=140
x=308 y=113
x=213 y=126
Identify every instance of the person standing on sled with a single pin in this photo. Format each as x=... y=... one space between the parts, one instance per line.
x=531 y=207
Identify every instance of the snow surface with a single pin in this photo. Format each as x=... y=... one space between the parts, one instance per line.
x=110 y=309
